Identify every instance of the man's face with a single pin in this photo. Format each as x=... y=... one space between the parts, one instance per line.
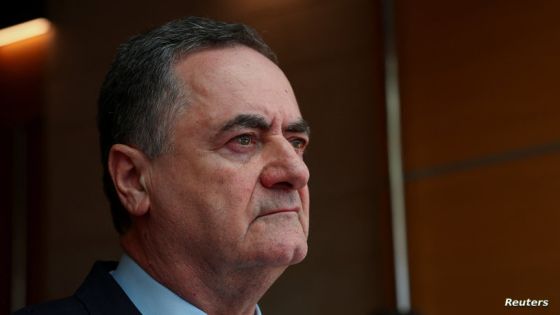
x=233 y=190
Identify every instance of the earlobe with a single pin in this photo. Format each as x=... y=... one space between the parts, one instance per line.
x=128 y=168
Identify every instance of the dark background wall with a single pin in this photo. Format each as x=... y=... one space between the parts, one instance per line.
x=22 y=78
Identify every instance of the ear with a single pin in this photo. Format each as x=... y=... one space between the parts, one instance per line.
x=128 y=168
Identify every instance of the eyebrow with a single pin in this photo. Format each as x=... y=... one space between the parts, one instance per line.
x=259 y=122
x=300 y=126
x=246 y=121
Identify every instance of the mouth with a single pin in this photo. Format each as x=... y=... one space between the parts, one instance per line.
x=278 y=211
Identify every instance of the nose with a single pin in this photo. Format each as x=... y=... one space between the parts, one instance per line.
x=285 y=168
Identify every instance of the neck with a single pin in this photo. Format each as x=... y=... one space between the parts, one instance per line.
x=217 y=289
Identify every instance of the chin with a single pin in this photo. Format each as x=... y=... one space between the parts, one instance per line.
x=284 y=254
x=299 y=255
x=276 y=241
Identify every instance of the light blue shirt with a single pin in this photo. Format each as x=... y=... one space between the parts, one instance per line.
x=148 y=295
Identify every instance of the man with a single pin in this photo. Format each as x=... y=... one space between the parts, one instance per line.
x=202 y=146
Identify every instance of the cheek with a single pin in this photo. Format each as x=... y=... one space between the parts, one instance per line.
x=304 y=197
x=305 y=202
x=212 y=191
x=232 y=187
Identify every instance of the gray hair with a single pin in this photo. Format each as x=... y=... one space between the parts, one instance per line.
x=141 y=95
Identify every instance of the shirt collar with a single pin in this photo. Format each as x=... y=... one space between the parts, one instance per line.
x=149 y=296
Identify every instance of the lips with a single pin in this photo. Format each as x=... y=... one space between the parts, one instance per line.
x=277 y=211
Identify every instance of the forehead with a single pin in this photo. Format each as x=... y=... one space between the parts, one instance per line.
x=226 y=82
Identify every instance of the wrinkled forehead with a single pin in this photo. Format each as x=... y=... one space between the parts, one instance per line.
x=223 y=83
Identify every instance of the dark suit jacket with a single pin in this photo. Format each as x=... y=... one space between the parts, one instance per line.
x=99 y=294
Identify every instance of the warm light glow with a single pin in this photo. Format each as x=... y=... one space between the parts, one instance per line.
x=23 y=31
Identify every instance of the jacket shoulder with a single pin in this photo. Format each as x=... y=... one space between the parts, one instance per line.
x=99 y=294
x=69 y=305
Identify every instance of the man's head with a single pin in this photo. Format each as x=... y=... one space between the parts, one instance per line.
x=141 y=93
x=202 y=145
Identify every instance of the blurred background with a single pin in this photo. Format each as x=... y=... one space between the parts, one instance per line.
x=480 y=148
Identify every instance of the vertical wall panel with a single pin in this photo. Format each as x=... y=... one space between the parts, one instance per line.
x=480 y=115
x=22 y=70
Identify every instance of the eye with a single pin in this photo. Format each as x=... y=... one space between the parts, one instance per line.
x=243 y=143
x=244 y=139
x=298 y=143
